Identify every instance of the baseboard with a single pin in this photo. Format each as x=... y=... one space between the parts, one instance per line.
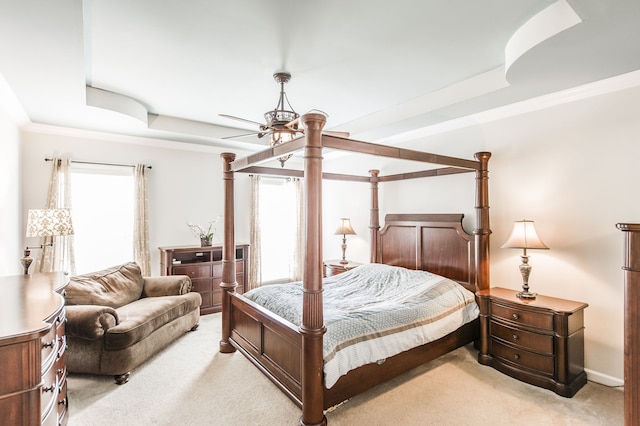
x=604 y=379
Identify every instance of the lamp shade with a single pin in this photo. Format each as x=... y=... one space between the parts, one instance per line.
x=49 y=222
x=524 y=236
x=345 y=227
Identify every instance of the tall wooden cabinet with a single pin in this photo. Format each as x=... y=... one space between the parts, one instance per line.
x=204 y=266
x=33 y=373
x=631 y=267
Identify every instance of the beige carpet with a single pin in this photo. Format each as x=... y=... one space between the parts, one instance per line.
x=190 y=383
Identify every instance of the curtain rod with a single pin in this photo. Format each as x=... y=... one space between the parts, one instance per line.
x=99 y=164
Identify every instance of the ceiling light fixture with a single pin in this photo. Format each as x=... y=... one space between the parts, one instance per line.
x=280 y=119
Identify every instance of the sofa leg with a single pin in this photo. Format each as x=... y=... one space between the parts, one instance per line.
x=195 y=327
x=121 y=379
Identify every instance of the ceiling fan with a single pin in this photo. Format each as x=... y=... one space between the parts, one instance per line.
x=282 y=125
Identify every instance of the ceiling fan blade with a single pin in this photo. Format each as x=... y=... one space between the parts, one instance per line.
x=243 y=119
x=293 y=123
x=296 y=122
x=337 y=134
x=260 y=134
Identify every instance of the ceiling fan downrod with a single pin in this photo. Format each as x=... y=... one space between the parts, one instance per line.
x=280 y=115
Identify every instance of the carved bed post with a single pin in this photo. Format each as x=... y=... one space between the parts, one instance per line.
x=374 y=220
x=631 y=269
x=312 y=328
x=229 y=283
x=483 y=230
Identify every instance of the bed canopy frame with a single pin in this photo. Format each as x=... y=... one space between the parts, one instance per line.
x=253 y=330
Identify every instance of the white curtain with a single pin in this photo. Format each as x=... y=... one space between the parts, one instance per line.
x=57 y=253
x=296 y=264
x=255 y=269
x=141 y=221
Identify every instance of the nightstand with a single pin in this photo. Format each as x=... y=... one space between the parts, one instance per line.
x=539 y=341
x=334 y=267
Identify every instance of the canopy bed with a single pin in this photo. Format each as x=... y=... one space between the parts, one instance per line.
x=290 y=354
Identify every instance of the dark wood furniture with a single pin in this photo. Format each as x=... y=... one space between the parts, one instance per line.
x=334 y=267
x=539 y=341
x=33 y=374
x=631 y=267
x=291 y=356
x=204 y=266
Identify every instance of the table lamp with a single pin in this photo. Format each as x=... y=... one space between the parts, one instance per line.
x=524 y=236
x=45 y=223
x=344 y=229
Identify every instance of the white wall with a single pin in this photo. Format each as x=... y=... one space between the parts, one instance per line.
x=573 y=169
x=184 y=184
x=10 y=214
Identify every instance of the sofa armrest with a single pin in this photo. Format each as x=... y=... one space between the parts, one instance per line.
x=90 y=321
x=169 y=285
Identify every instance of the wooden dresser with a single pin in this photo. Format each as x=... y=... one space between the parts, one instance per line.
x=33 y=374
x=539 y=341
x=204 y=266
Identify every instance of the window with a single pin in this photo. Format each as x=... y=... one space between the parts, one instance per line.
x=278 y=219
x=103 y=215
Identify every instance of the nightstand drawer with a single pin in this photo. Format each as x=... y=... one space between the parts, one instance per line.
x=524 y=316
x=526 y=339
x=540 y=363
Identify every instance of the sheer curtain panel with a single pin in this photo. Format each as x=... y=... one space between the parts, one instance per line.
x=141 y=221
x=57 y=253
x=255 y=269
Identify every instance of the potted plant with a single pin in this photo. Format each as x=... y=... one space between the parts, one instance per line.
x=205 y=234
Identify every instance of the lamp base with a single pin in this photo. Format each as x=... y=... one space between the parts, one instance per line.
x=526 y=295
x=26 y=261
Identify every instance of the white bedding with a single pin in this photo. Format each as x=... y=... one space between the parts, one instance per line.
x=375 y=311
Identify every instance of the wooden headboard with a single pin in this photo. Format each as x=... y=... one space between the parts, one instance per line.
x=432 y=242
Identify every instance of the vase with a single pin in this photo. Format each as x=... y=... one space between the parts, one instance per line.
x=205 y=241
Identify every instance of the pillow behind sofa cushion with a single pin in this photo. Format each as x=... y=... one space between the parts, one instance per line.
x=114 y=287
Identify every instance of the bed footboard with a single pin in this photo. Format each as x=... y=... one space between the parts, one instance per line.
x=271 y=343
x=274 y=346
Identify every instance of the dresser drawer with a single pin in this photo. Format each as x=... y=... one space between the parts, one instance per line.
x=49 y=392
x=216 y=271
x=49 y=351
x=540 y=363
x=541 y=320
x=528 y=340
x=193 y=271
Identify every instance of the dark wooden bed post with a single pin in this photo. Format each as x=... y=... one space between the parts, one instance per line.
x=483 y=229
x=631 y=267
x=374 y=220
x=312 y=328
x=229 y=283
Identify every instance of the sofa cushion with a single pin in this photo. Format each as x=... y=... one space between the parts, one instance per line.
x=141 y=318
x=114 y=287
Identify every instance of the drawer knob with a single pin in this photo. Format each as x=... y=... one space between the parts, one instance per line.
x=49 y=388
x=516 y=357
x=516 y=316
x=49 y=345
x=515 y=337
